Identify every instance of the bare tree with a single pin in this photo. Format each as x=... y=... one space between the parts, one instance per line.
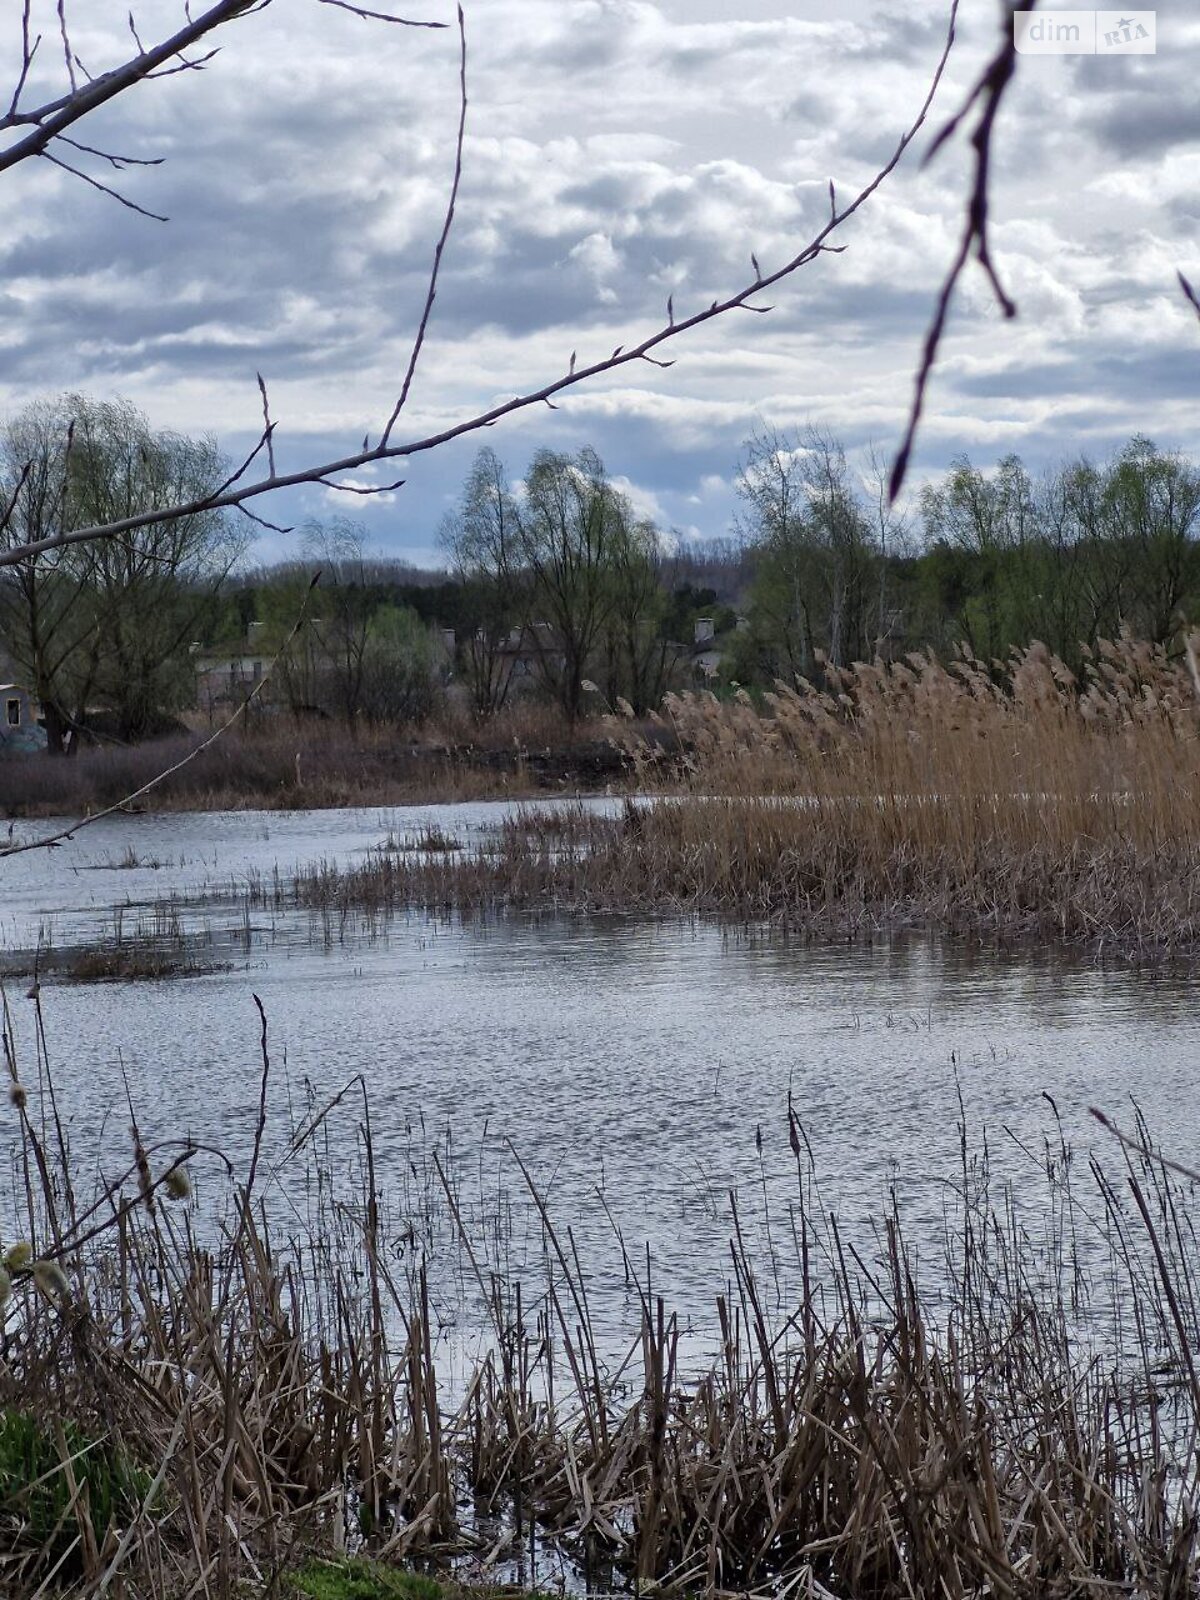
x=479 y=537
x=356 y=657
x=771 y=486
x=339 y=624
x=893 y=535
x=818 y=553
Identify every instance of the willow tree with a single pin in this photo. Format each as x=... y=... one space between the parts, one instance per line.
x=570 y=524
x=106 y=622
x=479 y=537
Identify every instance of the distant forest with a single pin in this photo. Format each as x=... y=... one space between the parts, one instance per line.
x=553 y=585
x=818 y=569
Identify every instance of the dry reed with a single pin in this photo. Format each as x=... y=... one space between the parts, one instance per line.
x=1022 y=1424
x=277 y=764
x=1008 y=800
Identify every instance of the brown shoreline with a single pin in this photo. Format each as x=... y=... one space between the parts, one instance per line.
x=309 y=770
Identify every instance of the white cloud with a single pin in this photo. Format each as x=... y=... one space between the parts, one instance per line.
x=618 y=151
x=645 y=503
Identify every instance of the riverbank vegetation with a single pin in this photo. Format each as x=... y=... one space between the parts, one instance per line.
x=557 y=592
x=204 y=1397
x=280 y=766
x=995 y=799
x=1014 y=802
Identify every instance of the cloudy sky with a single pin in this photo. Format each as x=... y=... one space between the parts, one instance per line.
x=618 y=151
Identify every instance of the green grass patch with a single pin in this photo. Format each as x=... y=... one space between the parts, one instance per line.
x=35 y=1484
x=370 y=1580
x=362 y=1580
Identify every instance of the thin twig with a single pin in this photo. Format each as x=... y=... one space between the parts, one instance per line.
x=104 y=188
x=379 y=16
x=268 y=432
x=447 y=224
x=987 y=94
x=28 y=51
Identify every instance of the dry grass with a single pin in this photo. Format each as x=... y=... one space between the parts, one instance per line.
x=214 y=1407
x=1010 y=802
x=281 y=766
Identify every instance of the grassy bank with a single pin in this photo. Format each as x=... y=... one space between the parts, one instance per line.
x=371 y=1580
x=282 y=766
x=193 y=1408
x=1011 y=803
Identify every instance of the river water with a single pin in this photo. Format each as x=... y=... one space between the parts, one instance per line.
x=640 y=1069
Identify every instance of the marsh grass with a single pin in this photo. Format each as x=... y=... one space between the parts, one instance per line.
x=281 y=765
x=1004 y=800
x=431 y=838
x=47 y=1467
x=257 y=1382
x=135 y=962
x=143 y=944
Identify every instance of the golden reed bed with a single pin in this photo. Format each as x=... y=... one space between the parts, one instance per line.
x=1013 y=800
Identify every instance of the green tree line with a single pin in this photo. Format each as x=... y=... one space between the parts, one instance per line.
x=555 y=586
x=990 y=559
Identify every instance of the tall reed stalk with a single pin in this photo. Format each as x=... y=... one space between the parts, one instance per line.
x=195 y=1400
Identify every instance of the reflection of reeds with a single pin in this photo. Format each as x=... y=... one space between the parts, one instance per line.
x=1009 y=799
x=1015 y=1425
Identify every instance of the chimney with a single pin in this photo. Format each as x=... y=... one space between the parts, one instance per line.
x=705 y=631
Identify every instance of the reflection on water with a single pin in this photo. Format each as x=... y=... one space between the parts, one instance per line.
x=641 y=1069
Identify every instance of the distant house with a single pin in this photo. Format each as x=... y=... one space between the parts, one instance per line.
x=709 y=648
x=20 y=730
x=227 y=675
x=706 y=650
x=526 y=650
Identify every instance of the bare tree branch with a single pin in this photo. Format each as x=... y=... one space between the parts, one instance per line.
x=118 y=163
x=427 y=310
x=66 y=43
x=363 y=489
x=28 y=51
x=268 y=433
x=379 y=16
x=986 y=96
x=236 y=492
x=104 y=188
x=49 y=121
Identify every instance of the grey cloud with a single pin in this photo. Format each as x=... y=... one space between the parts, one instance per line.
x=305 y=212
x=1139 y=107
x=899 y=36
